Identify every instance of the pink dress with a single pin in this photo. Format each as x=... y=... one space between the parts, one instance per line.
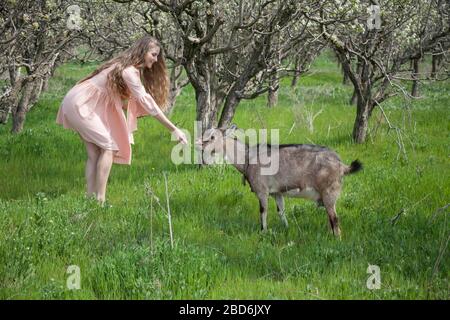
x=98 y=117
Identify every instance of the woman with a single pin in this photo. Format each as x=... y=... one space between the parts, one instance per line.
x=93 y=108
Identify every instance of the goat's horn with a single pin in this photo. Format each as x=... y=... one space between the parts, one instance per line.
x=230 y=130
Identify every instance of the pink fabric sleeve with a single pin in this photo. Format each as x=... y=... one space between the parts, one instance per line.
x=132 y=78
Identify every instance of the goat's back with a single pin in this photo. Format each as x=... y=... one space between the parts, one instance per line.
x=300 y=166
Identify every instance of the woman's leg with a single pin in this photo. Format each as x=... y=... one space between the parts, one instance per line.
x=93 y=152
x=104 y=164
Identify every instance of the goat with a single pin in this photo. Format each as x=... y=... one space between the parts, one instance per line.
x=306 y=171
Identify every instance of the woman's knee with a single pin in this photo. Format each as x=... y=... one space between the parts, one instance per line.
x=106 y=152
x=106 y=155
x=93 y=151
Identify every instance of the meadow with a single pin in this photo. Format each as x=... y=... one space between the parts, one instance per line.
x=393 y=214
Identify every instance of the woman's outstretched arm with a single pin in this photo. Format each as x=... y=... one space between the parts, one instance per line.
x=131 y=76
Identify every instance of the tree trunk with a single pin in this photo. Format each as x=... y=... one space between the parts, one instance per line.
x=18 y=120
x=233 y=98
x=229 y=109
x=362 y=120
x=435 y=62
x=295 y=78
x=5 y=106
x=45 y=85
x=206 y=112
x=14 y=74
x=345 y=78
x=176 y=86
x=20 y=111
x=297 y=72
x=4 y=112
x=36 y=93
x=173 y=94
x=47 y=78
x=354 y=98
x=199 y=75
x=10 y=100
x=272 y=99
x=359 y=70
x=415 y=75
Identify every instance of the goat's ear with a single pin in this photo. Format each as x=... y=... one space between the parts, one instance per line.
x=230 y=130
x=222 y=131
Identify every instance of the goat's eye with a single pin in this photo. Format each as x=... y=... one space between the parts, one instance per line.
x=212 y=138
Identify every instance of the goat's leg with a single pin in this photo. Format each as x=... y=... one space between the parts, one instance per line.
x=280 y=208
x=330 y=205
x=263 y=210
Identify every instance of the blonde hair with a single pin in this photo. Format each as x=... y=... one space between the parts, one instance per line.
x=155 y=80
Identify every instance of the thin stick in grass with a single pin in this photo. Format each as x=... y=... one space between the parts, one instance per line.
x=151 y=225
x=168 y=211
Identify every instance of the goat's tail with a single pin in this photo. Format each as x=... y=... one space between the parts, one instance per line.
x=354 y=167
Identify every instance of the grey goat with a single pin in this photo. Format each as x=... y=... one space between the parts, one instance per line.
x=305 y=171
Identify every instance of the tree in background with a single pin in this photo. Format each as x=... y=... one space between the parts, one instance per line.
x=113 y=26
x=375 y=48
x=35 y=38
x=229 y=50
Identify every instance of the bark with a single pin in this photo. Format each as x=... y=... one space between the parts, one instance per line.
x=295 y=78
x=361 y=124
x=354 y=98
x=175 y=88
x=45 y=85
x=234 y=95
x=19 y=113
x=36 y=93
x=359 y=70
x=10 y=100
x=46 y=79
x=174 y=92
x=229 y=109
x=206 y=109
x=345 y=78
x=435 y=63
x=297 y=73
x=5 y=110
x=14 y=73
x=415 y=75
x=272 y=99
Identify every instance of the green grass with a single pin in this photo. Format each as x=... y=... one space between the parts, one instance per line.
x=124 y=251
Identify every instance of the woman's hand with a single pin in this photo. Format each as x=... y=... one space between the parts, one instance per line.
x=181 y=137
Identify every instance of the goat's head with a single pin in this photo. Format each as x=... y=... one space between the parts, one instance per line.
x=213 y=140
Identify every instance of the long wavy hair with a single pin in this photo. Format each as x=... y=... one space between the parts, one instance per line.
x=155 y=79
